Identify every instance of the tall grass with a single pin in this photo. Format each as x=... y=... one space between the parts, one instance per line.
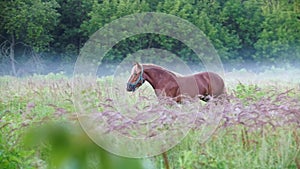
x=258 y=125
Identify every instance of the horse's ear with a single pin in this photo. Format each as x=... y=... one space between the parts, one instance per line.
x=135 y=63
x=138 y=65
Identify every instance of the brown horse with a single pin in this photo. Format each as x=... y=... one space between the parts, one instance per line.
x=206 y=85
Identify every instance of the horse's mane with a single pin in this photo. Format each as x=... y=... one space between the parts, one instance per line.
x=162 y=68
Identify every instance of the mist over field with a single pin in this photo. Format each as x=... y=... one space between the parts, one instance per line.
x=108 y=69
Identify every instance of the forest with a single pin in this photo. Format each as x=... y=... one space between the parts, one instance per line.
x=42 y=36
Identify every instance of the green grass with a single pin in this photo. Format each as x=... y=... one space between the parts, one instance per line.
x=229 y=149
x=43 y=106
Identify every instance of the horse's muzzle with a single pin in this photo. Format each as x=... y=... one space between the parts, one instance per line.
x=130 y=88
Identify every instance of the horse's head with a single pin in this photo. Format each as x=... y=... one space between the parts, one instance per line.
x=136 y=78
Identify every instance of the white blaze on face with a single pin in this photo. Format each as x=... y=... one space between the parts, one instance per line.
x=137 y=68
x=133 y=69
x=134 y=73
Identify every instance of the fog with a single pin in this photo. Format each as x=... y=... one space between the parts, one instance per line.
x=245 y=72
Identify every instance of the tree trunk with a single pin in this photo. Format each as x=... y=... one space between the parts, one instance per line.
x=12 y=55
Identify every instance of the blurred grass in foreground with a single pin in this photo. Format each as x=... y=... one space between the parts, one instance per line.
x=68 y=147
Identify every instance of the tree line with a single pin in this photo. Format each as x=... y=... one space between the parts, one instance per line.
x=35 y=34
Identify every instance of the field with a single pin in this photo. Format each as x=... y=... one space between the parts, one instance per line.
x=258 y=127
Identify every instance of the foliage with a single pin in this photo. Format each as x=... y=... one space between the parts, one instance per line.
x=242 y=20
x=26 y=25
x=279 y=40
x=104 y=12
x=242 y=31
x=68 y=35
x=29 y=22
